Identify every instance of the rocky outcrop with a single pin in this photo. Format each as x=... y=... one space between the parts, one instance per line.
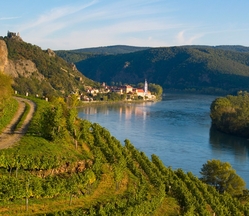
x=24 y=68
x=73 y=66
x=51 y=53
x=3 y=55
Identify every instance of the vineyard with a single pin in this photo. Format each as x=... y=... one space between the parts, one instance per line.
x=87 y=171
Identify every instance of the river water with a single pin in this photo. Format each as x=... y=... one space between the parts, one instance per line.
x=177 y=129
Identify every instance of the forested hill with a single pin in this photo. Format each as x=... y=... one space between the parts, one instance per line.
x=38 y=71
x=196 y=68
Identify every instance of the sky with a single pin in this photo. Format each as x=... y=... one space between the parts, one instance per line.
x=75 y=24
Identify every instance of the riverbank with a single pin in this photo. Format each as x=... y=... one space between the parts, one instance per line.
x=89 y=103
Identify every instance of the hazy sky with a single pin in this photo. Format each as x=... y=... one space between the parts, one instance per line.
x=73 y=24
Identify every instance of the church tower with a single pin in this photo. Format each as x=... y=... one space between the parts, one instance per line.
x=145 y=87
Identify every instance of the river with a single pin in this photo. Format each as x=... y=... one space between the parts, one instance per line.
x=177 y=129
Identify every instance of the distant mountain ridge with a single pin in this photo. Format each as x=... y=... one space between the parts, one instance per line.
x=235 y=48
x=111 y=50
x=122 y=49
x=84 y=53
x=77 y=55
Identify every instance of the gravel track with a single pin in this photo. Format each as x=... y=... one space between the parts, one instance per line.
x=9 y=137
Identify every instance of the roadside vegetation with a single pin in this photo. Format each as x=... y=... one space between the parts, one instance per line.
x=8 y=106
x=7 y=112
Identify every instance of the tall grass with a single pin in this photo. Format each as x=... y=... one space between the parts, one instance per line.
x=7 y=112
x=23 y=116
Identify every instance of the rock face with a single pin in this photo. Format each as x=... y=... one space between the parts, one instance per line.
x=24 y=68
x=3 y=55
x=51 y=53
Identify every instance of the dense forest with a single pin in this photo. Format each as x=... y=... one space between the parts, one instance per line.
x=220 y=70
x=230 y=114
x=70 y=166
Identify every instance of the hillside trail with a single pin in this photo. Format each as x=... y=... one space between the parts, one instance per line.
x=9 y=137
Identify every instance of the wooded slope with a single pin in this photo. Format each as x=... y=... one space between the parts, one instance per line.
x=38 y=71
x=197 y=68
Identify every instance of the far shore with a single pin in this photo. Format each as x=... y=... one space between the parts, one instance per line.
x=89 y=103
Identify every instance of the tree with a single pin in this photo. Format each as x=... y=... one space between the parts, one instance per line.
x=54 y=121
x=218 y=107
x=73 y=100
x=156 y=89
x=222 y=176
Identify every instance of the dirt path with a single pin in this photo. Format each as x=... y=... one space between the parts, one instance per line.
x=9 y=137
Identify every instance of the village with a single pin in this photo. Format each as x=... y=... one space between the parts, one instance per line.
x=123 y=92
x=107 y=93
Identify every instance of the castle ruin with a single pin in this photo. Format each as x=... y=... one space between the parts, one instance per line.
x=14 y=35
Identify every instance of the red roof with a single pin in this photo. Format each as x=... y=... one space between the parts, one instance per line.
x=140 y=90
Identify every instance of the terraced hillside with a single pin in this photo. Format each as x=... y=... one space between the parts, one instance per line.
x=74 y=167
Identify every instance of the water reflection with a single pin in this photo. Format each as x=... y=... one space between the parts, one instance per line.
x=237 y=146
x=126 y=110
